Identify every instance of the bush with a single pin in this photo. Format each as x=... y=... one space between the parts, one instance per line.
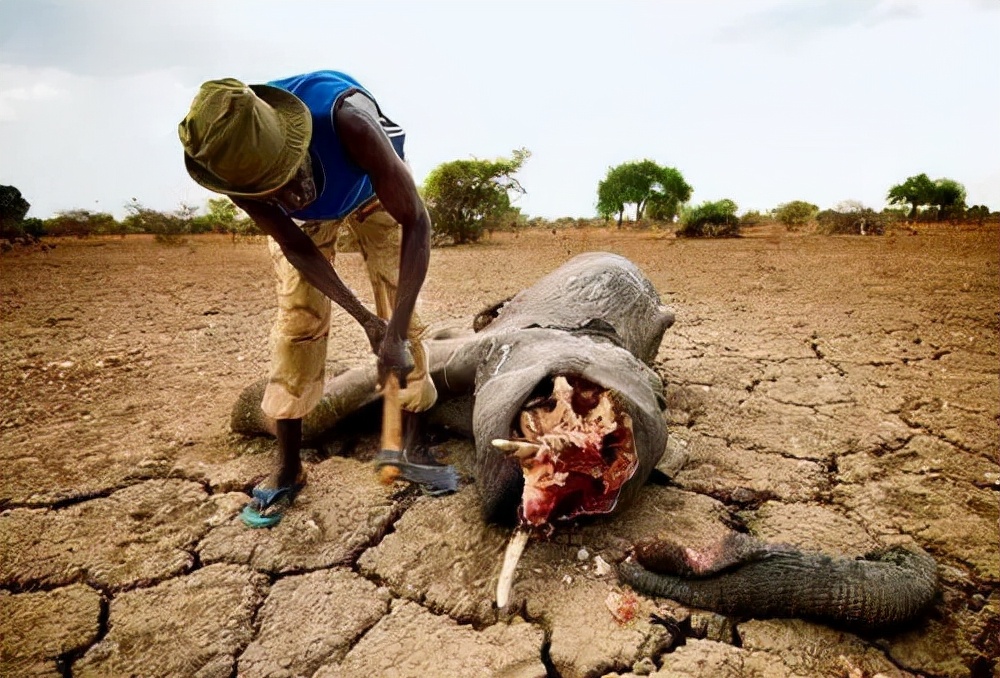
x=851 y=217
x=863 y=222
x=752 y=218
x=33 y=227
x=80 y=223
x=977 y=214
x=169 y=229
x=795 y=214
x=710 y=220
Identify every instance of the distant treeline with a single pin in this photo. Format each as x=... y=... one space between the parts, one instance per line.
x=220 y=216
x=468 y=198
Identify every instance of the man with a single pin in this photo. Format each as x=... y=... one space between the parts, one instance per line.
x=303 y=156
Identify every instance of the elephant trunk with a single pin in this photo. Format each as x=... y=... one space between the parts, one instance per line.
x=882 y=588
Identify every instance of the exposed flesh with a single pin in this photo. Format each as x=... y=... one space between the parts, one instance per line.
x=575 y=450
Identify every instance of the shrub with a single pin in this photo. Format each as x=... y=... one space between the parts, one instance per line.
x=862 y=222
x=978 y=214
x=710 y=220
x=169 y=229
x=795 y=214
x=851 y=217
x=80 y=223
x=33 y=227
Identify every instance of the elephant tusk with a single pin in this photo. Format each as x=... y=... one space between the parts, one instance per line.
x=520 y=449
x=515 y=547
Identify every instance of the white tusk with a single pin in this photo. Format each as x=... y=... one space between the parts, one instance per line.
x=515 y=547
x=520 y=449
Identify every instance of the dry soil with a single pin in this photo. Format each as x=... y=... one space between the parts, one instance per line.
x=839 y=393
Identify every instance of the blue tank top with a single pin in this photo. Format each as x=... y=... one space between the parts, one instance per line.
x=341 y=185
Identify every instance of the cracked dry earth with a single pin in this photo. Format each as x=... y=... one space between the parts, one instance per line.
x=835 y=393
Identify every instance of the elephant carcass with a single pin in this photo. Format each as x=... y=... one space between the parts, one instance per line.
x=568 y=420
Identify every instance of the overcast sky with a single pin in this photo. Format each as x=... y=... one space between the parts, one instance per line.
x=760 y=101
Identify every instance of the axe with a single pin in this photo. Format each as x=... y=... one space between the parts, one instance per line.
x=392 y=461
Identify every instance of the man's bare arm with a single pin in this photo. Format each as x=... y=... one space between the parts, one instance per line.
x=367 y=144
x=303 y=254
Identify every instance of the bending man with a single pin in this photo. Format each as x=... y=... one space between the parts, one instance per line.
x=304 y=156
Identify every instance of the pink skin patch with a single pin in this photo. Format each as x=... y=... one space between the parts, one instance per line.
x=579 y=452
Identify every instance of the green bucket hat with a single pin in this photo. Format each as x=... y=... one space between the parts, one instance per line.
x=244 y=140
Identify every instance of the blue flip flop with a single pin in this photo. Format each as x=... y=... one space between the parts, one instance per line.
x=267 y=505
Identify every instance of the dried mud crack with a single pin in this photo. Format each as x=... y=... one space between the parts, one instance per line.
x=808 y=407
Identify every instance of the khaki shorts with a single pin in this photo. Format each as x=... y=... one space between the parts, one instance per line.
x=298 y=360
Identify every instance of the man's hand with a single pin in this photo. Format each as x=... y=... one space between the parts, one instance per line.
x=394 y=357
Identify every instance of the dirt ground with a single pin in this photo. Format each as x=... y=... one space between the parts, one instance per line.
x=838 y=393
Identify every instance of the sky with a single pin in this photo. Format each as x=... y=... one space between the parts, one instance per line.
x=758 y=101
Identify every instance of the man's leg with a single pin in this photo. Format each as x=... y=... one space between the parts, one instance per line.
x=298 y=359
x=379 y=240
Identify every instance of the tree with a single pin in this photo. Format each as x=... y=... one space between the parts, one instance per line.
x=228 y=218
x=949 y=198
x=644 y=184
x=13 y=207
x=711 y=220
x=795 y=213
x=916 y=192
x=223 y=216
x=919 y=191
x=465 y=197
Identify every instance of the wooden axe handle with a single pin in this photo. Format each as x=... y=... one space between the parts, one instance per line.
x=392 y=415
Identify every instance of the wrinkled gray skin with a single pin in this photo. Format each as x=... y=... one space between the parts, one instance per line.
x=751 y=578
x=599 y=318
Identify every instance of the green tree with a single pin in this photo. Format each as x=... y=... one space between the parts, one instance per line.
x=466 y=197
x=710 y=220
x=946 y=195
x=644 y=184
x=917 y=191
x=225 y=217
x=949 y=198
x=13 y=207
x=796 y=213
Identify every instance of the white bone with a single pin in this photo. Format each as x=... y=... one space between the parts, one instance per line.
x=515 y=547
